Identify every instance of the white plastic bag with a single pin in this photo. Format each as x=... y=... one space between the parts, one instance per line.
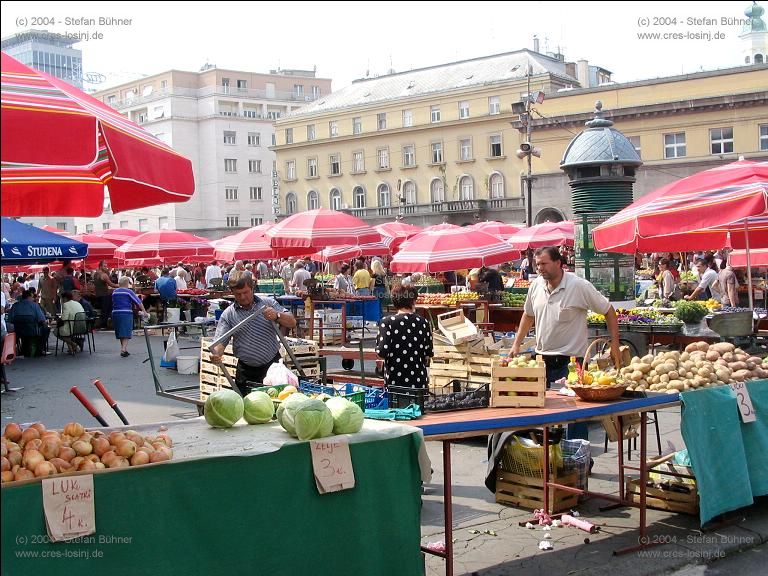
x=280 y=374
x=172 y=349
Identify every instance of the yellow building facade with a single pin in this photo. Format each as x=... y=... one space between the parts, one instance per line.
x=441 y=144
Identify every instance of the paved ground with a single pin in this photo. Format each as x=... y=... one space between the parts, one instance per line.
x=46 y=398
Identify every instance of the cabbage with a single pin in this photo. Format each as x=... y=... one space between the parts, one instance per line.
x=312 y=419
x=347 y=416
x=258 y=408
x=285 y=411
x=223 y=408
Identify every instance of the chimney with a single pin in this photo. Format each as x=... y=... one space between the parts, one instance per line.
x=582 y=73
x=535 y=43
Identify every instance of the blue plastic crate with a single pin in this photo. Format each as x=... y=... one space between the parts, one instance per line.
x=347 y=391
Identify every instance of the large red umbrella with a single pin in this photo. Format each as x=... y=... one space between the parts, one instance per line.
x=393 y=234
x=341 y=253
x=316 y=229
x=450 y=249
x=757 y=258
x=165 y=245
x=498 y=229
x=53 y=229
x=439 y=227
x=697 y=212
x=118 y=235
x=60 y=147
x=98 y=249
x=546 y=234
x=247 y=244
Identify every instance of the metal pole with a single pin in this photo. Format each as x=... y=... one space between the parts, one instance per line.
x=529 y=198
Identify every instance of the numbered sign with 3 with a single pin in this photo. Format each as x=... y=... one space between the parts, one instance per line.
x=744 y=402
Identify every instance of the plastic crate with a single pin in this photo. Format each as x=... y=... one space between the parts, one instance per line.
x=456 y=395
x=375 y=397
x=347 y=391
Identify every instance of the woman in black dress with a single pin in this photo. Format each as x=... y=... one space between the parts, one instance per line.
x=405 y=342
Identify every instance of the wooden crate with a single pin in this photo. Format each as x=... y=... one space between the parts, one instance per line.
x=631 y=424
x=508 y=380
x=227 y=359
x=679 y=478
x=206 y=342
x=528 y=492
x=300 y=347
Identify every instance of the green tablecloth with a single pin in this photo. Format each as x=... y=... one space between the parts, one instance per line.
x=431 y=289
x=257 y=514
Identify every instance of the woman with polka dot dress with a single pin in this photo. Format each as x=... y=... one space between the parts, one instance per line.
x=405 y=342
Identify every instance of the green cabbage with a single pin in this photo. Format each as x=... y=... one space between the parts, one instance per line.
x=312 y=419
x=258 y=408
x=347 y=416
x=223 y=408
x=285 y=411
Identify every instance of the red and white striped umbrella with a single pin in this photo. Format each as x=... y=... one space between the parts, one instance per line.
x=393 y=234
x=444 y=250
x=248 y=244
x=341 y=253
x=165 y=245
x=758 y=258
x=118 y=235
x=316 y=229
x=498 y=229
x=546 y=234
x=55 y=230
x=98 y=247
x=439 y=227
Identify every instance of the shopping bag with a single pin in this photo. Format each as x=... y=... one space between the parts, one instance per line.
x=171 y=351
x=278 y=374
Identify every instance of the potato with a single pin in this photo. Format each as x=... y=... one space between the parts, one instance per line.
x=703 y=371
x=713 y=355
x=673 y=374
x=692 y=347
x=675 y=384
x=644 y=368
x=664 y=378
x=685 y=356
x=636 y=376
x=647 y=359
x=738 y=366
x=741 y=375
x=722 y=347
x=729 y=357
x=702 y=346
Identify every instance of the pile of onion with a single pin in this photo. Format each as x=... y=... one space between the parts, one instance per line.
x=36 y=452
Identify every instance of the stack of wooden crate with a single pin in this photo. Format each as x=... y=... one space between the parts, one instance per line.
x=516 y=387
x=466 y=361
x=306 y=352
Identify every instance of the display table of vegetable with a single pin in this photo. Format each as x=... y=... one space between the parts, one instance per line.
x=640 y=320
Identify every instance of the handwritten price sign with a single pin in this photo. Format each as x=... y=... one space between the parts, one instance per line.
x=69 y=508
x=744 y=402
x=332 y=464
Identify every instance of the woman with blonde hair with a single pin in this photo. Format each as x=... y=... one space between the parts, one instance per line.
x=379 y=278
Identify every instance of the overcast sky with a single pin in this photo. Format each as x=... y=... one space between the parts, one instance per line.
x=346 y=41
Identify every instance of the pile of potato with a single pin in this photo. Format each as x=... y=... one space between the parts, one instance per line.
x=701 y=365
x=35 y=452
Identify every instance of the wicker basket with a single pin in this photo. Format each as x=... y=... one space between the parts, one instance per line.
x=595 y=392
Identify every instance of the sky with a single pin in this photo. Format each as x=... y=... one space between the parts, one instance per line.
x=348 y=40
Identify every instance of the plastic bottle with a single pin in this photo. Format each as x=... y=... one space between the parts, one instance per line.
x=573 y=375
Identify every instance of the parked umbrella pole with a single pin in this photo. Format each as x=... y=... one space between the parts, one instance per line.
x=88 y=406
x=110 y=400
x=749 y=266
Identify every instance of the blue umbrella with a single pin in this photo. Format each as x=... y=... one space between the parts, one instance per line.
x=24 y=244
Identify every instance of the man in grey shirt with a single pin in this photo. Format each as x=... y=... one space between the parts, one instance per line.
x=255 y=345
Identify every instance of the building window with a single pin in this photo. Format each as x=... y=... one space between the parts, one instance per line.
x=89 y=228
x=763 y=137
x=163 y=84
x=409 y=192
x=298 y=90
x=315 y=92
x=123 y=224
x=233 y=221
x=254 y=139
x=290 y=203
x=63 y=225
x=143 y=225
x=434 y=113
x=335 y=199
x=495 y=142
x=381 y=121
x=256 y=221
x=105 y=225
x=464 y=109
x=409 y=155
x=385 y=198
x=436 y=191
x=111 y=100
x=496 y=184
x=254 y=166
x=290 y=170
x=357 y=125
x=465 y=149
x=335 y=164
x=312 y=167
x=466 y=188
x=358 y=161
x=274 y=139
x=635 y=141
x=721 y=140
x=437 y=152
x=242 y=85
x=310 y=132
x=230 y=165
x=407 y=118
x=230 y=193
x=382 y=158
x=333 y=128
x=674 y=145
x=162 y=223
x=230 y=137
x=494 y=105
x=313 y=202
x=289 y=135
x=359 y=194
x=255 y=193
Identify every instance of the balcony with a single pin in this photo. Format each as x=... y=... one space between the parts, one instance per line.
x=457 y=207
x=282 y=95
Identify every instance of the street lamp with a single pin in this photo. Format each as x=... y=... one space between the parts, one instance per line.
x=527 y=149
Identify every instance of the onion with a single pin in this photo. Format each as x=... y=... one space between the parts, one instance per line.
x=115 y=437
x=61 y=465
x=118 y=462
x=82 y=447
x=100 y=446
x=139 y=458
x=137 y=439
x=76 y=461
x=39 y=427
x=12 y=446
x=92 y=457
x=27 y=435
x=158 y=456
x=108 y=456
x=86 y=465
x=6 y=467
x=31 y=459
x=165 y=439
x=67 y=453
x=4 y=450
x=86 y=437
x=126 y=448
x=147 y=449
x=98 y=434
x=33 y=444
x=50 y=434
x=100 y=466
x=50 y=448
x=12 y=432
x=45 y=469
x=23 y=474
x=7 y=476
x=14 y=457
x=74 y=429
